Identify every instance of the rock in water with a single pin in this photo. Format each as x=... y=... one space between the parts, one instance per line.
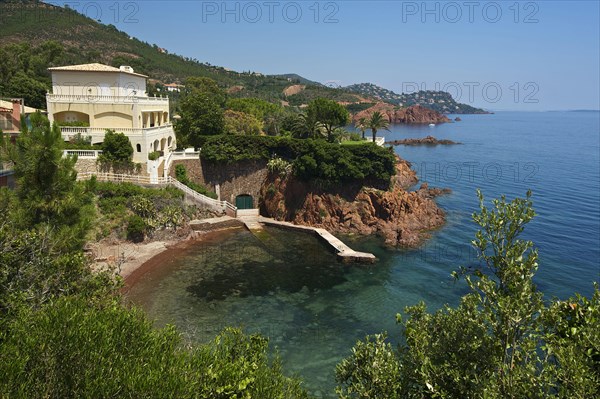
x=429 y=140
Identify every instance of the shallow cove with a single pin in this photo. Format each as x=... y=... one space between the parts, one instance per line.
x=288 y=286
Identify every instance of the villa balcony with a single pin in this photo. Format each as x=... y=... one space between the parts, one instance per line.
x=97 y=133
x=100 y=99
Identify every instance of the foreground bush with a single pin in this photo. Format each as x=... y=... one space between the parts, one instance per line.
x=502 y=341
x=73 y=348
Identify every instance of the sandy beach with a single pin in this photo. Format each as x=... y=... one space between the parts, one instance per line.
x=127 y=257
x=131 y=261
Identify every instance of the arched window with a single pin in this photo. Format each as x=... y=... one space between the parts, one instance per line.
x=138 y=147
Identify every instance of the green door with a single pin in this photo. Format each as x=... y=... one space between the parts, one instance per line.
x=243 y=202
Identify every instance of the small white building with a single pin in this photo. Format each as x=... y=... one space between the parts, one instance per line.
x=174 y=87
x=88 y=99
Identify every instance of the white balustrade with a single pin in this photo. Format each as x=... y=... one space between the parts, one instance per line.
x=97 y=133
x=83 y=153
x=69 y=98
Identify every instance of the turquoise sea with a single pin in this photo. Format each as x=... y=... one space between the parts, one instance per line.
x=289 y=287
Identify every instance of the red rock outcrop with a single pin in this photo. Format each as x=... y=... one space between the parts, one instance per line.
x=413 y=114
x=401 y=217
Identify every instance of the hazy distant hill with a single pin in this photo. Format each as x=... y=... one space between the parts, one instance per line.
x=437 y=100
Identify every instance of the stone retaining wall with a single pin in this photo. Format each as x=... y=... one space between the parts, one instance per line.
x=90 y=165
x=228 y=181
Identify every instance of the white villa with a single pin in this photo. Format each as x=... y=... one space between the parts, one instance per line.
x=91 y=98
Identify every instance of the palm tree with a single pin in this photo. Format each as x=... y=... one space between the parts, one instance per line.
x=377 y=121
x=306 y=127
x=361 y=125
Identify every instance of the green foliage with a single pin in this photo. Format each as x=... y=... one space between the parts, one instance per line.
x=158 y=208
x=572 y=338
x=76 y=124
x=279 y=166
x=202 y=111
x=181 y=175
x=375 y=122
x=241 y=123
x=47 y=192
x=23 y=70
x=373 y=371
x=153 y=156
x=304 y=126
x=311 y=159
x=80 y=142
x=271 y=115
x=136 y=228
x=353 y=138
x=35 y=268
x=500 y=342
x=253 y=106
x=116 y=150
x=72 y=348
x=361 y=125
x=312 y=92
x=357 y=107
x=329 y=113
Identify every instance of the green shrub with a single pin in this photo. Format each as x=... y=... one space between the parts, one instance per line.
x=136 y=228
x=353 y=136
x=279 y=166
x=153 y=156
x=311 y=159
x=75 y=348
x=116 y=150
x=81 y=146
x=75 y=124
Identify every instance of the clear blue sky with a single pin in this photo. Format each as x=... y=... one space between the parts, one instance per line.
x=547 y=51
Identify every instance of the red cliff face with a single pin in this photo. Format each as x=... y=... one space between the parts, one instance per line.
x=414 y=114
x=400 y=216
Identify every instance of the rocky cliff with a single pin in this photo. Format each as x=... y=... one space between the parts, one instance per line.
x=402 y=217
x=414 y=114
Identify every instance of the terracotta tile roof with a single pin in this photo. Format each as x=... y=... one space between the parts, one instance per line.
x=7 y=105
x=95 y=67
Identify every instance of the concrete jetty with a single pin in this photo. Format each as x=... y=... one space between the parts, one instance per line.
x=254 y=222
x=343 y=252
